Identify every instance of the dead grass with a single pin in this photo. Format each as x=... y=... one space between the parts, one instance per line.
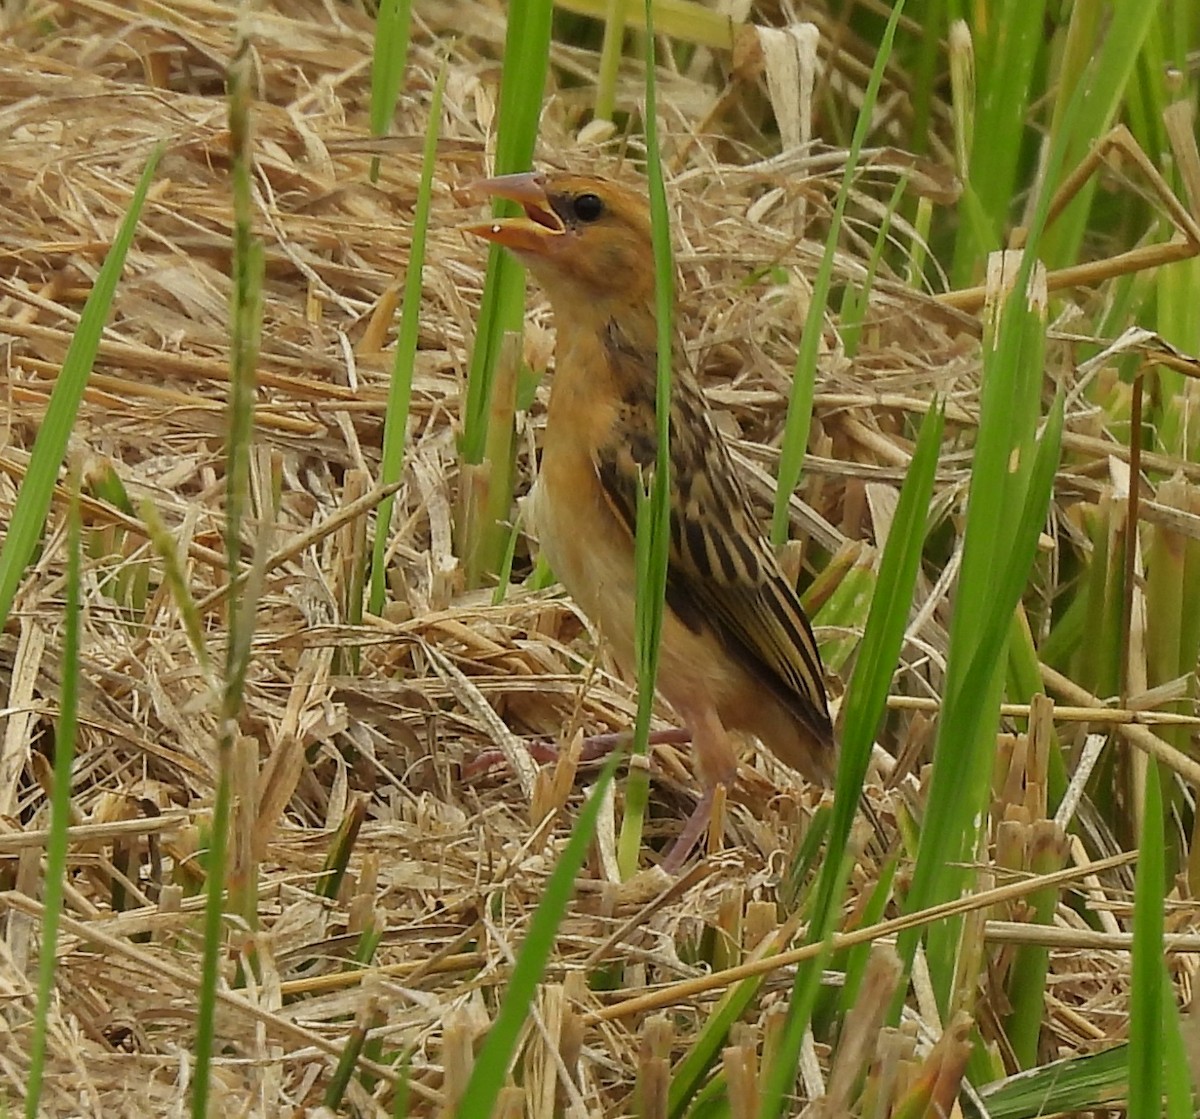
x=450 y=857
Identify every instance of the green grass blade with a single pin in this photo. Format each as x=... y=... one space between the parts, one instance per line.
x=845 y=612
x=883 y=637
x=687 y=1075
x=926 y=71
x=388 y=65
x=858 y=957
x=1146 y=994
x=857 y=299
x=654 y=516
x=501 y=309
x=175 y=578
x=526 y=54
x=1177 y=1070
x=800 y=401
x=1097 y=1080
x=1046 y=851
x=481 y=535
x=998 y=511
x=395 y=427
x=948 y=827
x=60 y=806
x=610 y=59
x=1107 y=80
x=33 y=502
x=865 y=705
x=1012 y=40
x=500 y=1044
x=504 y=575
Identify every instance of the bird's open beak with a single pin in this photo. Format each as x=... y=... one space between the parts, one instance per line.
x=536 y=231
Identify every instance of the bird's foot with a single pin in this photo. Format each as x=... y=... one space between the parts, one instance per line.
x=594 y=747
x=709 y=808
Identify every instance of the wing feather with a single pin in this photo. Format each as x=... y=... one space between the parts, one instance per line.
x=721 y=571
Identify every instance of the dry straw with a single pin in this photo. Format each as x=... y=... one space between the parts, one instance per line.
x=449 y=858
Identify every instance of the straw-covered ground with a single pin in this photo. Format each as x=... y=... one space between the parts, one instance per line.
x=403 y=722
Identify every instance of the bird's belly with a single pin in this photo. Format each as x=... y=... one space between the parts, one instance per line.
x=591 y=553
x=587 y=548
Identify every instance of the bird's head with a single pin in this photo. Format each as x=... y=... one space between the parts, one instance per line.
x=580 y=232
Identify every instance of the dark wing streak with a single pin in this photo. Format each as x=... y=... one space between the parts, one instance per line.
x=720 y=569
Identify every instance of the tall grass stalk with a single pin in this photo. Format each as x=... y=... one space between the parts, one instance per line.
x=24 y=531
x=387 y=68
x=1177 y=286
x=1176 y=296
x=1011 y=481
x=490 y=1071
x=1160 y=1072
x=1004 y=506
x=958 y=790
x=800 y=400
x=60 y=806
x=864 y=707
x=41 y=476
x=610 y=58
x=395 y=427
x=654 y=509
x=1007 y=48
x=1106 y=80
x=526 y=54
x=246 y=320
x=925 y=72
x=1146 y=995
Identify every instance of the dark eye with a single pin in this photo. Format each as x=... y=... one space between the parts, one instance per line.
x=588 y=207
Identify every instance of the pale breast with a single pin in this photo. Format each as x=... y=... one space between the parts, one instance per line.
x=585 y=545
x=591 y=554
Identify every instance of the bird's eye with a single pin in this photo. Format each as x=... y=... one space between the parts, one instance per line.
x=588 y=207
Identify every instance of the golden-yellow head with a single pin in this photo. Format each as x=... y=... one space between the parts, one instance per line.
x=582 y=231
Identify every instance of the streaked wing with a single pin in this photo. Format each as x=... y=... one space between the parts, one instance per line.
x=721 y=572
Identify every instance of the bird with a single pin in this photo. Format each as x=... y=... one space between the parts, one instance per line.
x=737 y=652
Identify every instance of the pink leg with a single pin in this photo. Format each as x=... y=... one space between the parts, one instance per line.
x=693 y=831
x=600 y=745
x=595 y=746
x=717 y=765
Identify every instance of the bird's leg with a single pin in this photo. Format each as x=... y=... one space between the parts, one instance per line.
x=594 y=746
x=717 y=762
x=693 y=830
x=600 y=745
